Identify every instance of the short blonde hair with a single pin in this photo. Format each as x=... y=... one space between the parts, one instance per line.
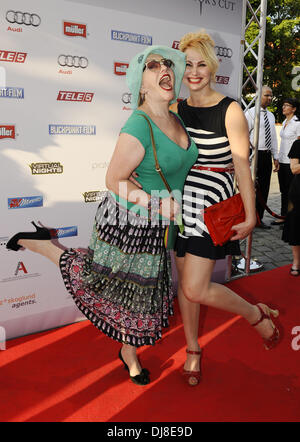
x=204 y=44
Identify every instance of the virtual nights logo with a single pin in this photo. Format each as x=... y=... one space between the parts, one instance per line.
x=46 y=168
x=93 y=196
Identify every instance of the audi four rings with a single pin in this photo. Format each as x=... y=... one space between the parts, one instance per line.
x=73 y=61
x=23 y=18
x=126 y=98
x=223 y=52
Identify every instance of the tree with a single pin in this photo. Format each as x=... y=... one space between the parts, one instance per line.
x=282 y=49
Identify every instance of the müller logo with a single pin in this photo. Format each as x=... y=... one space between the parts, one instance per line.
x=120 y=68
x=74 y=29
x=7 y=131
x=46 y=168
x=11 y=92
x=63 y=232
x=13 y=57
x=71 y=129
x=24 y=202
x=75 y=96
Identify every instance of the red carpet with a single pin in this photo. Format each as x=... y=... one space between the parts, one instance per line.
x=73 y=374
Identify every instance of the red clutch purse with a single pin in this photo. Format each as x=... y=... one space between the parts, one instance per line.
x=220 y=217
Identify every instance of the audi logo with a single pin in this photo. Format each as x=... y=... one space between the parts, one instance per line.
x=73 y=61
x=223 y=52
x=23 y=18
x=126 y=98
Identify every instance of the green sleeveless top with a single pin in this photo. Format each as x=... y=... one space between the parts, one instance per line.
x=175 y=162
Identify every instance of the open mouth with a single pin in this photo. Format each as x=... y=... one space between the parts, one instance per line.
x=194 y=80
x=166 y=82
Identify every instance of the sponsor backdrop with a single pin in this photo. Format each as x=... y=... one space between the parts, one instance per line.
x=63 y=100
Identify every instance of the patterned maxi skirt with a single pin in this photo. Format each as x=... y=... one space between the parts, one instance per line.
x=123 y=283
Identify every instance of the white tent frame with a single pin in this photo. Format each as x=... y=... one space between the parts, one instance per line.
x=258 y=16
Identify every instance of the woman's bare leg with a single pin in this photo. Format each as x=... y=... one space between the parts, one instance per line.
x=296 y=257
x=43 y=247
x=197 y=287
x=190 y=313
x=130 y=358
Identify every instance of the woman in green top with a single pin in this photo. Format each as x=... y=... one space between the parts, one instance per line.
x=123 y=284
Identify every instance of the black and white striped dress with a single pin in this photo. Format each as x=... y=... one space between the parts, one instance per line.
x=203 y=188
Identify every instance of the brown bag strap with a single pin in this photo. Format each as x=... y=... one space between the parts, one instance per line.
x=157 y=166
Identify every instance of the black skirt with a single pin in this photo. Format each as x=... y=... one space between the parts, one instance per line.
x=205 y=248
x=291 y=228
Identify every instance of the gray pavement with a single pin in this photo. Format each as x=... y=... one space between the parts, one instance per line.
x=267 y=245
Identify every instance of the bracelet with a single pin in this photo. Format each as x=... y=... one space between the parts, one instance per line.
x=154 y=205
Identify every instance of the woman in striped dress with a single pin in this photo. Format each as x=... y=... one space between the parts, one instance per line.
x=218 y=126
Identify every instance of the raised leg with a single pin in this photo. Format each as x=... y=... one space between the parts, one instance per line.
x=45 y=248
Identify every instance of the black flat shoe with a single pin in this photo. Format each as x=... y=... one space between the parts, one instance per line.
x=139 y=379
x=41 y=233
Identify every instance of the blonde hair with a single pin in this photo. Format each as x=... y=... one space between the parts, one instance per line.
x=204 y=44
